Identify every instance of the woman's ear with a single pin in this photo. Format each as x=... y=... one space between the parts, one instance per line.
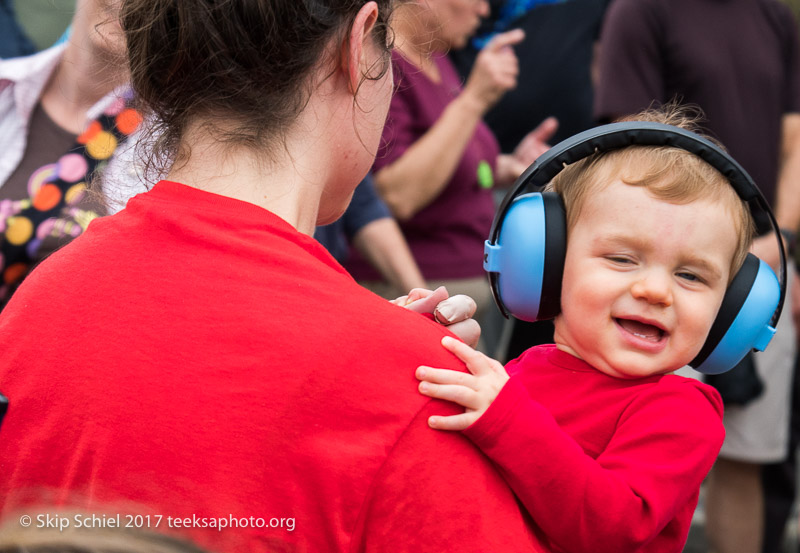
x=355 y=62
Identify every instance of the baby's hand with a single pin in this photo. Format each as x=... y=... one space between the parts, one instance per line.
x=475 y=391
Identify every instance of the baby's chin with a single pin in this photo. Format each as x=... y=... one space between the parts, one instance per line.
x=630 y=366
x=624 y=363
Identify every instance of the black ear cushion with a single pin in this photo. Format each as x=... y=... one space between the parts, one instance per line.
x=732 y=303
x=555 y=220
x=3 y=407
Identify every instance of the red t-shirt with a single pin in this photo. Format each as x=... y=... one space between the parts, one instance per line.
x=194 y=356
x=602 y=464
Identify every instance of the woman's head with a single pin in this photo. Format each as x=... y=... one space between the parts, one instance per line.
x=446 y=24
x=96 y=25
x=244 y=68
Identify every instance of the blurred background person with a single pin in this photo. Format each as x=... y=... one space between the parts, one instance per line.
x=370 y=227
x=13 y=40
x=64 y=112
x=738 y=61
x=555 y=80
x=438 y=161
x=555 y=64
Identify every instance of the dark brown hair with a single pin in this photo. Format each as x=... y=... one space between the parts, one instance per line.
x=243 y=67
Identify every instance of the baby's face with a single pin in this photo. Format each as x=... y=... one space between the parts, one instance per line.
x=643 y=280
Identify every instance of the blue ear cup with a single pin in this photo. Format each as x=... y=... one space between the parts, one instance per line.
x=525 y=253
x=528 y=258
x=743 y=320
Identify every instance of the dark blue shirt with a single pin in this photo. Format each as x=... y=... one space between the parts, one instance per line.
x=13 y=41
x=365 y=207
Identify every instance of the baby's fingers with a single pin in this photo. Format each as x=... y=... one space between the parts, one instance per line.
x=463 y=396
x=453 y=422
x=477 y=363
x=445 y=376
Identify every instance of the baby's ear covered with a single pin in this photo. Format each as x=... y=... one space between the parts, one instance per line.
x=743 y=320
x=526 y=264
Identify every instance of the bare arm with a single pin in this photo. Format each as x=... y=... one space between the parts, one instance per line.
x=510 y=166
x=787 y=197
x=382 y=243
x=415 y=179
x=787 y=203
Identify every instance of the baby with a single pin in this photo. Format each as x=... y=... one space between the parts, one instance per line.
x=605 y=449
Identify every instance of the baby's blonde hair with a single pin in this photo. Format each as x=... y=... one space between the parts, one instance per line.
x=670 y=174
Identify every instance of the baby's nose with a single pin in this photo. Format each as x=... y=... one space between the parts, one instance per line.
x=653 y=287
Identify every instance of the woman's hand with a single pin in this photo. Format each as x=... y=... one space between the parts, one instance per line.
x=535 y=143
x=453 y=312
x=495 y=70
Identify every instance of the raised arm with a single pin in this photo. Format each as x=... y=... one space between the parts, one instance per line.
x=535 y=143
x=420 y=174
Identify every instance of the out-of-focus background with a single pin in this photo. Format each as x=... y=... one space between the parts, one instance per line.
x=44 y=21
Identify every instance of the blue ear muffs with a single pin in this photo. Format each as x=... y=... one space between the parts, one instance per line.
x=525 y=253
x=743 y=320
x=529 y=257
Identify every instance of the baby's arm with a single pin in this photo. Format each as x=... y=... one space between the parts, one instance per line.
x=646 y=476
x=474 y=391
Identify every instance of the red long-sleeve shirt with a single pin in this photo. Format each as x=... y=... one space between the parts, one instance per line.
x=602 y=464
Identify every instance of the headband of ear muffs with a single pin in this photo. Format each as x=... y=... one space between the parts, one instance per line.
x=525 y=253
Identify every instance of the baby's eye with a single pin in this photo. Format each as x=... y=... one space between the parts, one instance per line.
x=690 y=277
x=619 y=259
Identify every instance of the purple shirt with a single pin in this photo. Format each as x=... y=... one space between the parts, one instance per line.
x=446 y=237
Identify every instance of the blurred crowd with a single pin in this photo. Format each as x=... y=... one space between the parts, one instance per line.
x=479 y=90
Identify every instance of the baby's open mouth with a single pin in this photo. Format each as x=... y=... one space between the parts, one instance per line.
x=641 y=330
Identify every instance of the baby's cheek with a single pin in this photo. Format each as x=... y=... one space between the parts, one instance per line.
x=700 y=323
